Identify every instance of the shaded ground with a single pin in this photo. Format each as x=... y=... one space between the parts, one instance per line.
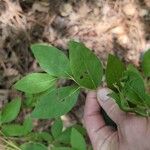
x=114 y=26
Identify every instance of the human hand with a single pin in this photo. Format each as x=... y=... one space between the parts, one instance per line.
x=133 y=132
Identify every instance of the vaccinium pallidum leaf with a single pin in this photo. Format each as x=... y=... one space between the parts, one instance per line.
x=77 y=140
x=10 y=111
x=64 y=138
x=17 y=129
x=12 y=130
x=56 y=103
x=27 y=125
x=134 y=87
x=51 y=60
x=33 y=146
x=62 y=148
x=86 y=67
x=56 y=128
x=146 y=63
x=35 y=83
x=114 y=71
x=39 y=137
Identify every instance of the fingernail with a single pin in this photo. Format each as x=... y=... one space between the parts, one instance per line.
x=102 y=94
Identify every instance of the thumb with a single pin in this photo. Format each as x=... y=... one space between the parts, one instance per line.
x=109 y=105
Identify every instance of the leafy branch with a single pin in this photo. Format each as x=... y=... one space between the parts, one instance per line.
x=48 y=101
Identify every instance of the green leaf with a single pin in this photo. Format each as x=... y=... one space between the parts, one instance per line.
x=147 y=99
x=13 y=130
x=56 y=103
x=77 y=140
x=146 y=63
x=62 y=148
x=35 y=83
x=142 y=111
x=33 y=146
x=80 y=129
x=114 y=71
x=51 y=60
x=39 y=137
x=10 y=111
x=57 y=127
x=116 y=97
x=32 y=99
x=27 y=125
x=130 y=67
x=29 y=100
x=17 y=129
x=124 y=104
x=0 y=118
x=131 y=88
x=120 y=100
x=64 y=138
x=86 y=67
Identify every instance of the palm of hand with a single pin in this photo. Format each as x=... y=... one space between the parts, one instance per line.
x=133 y=132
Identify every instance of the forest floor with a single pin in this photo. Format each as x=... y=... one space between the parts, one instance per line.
x=106 y=26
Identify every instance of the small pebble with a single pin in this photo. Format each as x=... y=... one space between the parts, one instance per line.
x=66 y=10
x=129 y=9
